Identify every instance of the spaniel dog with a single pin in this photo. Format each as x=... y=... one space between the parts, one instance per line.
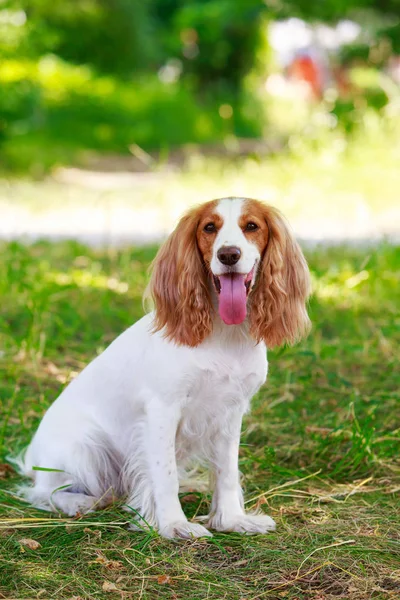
x=172 y=389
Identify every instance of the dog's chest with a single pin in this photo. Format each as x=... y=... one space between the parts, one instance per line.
x=227 y=381
x=216 y=395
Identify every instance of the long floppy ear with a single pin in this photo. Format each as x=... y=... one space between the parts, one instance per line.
x=179 y=286
x=278 y=311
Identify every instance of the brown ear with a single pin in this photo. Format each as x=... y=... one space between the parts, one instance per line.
x=179 y=286
x=278 y=311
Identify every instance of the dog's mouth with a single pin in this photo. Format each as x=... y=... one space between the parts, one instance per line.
x=232 y=290
x=247 y=280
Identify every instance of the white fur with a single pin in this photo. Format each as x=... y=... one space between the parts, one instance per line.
x=231 y=234
x=144 y=410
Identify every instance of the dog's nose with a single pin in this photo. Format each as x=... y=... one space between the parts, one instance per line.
x=229 y=255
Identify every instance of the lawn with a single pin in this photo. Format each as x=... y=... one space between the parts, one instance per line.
x=320 y=450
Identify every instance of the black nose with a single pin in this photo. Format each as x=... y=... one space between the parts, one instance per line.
x=229 y=255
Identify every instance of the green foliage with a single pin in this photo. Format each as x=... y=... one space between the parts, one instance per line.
x=155 y=73
x=332 y=10
x=320 y=449
x=111 y=36
x=391 y=34
x=50 y=110
x=128 y=36
x=87 y=79
x=218 y=39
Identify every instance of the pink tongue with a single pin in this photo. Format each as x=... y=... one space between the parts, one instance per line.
x=232 y=298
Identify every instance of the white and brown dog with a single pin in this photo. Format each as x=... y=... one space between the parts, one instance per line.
x=228 y=282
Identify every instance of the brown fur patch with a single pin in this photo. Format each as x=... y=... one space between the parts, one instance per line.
x=179 y=284
x=254 y=212
x=278 y=312
x=205 y=240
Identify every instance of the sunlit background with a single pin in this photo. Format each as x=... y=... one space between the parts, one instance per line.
x=115 y=116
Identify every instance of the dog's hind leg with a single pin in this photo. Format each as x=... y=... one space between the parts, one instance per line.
x=80 y=479
x=57 y=492
x=72 y=503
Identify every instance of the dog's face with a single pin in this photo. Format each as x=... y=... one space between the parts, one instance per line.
x=232 y=236
x=245 y=251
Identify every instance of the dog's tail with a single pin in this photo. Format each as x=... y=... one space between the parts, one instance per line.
x=22 y=463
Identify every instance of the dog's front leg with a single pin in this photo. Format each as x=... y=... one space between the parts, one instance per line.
x=162 y=423
x=227 y=512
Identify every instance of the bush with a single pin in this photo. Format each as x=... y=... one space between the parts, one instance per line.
x=50 y=110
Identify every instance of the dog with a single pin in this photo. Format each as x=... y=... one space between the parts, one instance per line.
x=171 y=391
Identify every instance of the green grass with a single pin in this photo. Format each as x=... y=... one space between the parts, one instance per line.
x=320 y=450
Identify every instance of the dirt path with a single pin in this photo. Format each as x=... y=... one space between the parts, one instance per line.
x=117 y=208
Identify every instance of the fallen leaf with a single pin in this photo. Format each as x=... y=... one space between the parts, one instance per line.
x=189 y=498
x=29 y=543
x=109 y=564
x=260 y=502
x=116 y=565
x=109 y=587
x=101 y=559
x=164 y=579
x=5 y=470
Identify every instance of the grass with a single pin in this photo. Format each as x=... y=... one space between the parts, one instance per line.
x=320 y=450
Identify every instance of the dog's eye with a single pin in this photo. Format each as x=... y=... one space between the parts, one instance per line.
x=251 y=226
x=210 y=228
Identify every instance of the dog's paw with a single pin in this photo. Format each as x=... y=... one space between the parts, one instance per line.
x=75 y=504
x=243 y=523
x=185 y=530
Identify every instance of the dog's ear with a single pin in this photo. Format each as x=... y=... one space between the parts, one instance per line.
x=278 y=312
x=179 y=286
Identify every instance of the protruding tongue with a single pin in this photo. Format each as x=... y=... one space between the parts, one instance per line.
x=232 y=298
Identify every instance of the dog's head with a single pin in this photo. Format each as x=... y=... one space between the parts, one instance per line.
x=241 y=251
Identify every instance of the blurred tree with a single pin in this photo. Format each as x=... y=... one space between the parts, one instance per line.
x=112 y=35
x=216 y=39
x=201 y=58
x=329 y=10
